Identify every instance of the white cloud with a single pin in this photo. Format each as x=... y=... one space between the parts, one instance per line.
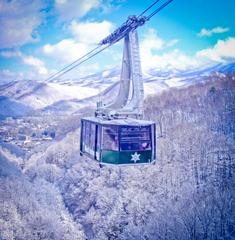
x=10 y=54
x=174 y=59
x=86 y=35
x=72 y=9
x=90 y=32
x=7 y=75
x=220 y=52
x=170 y=58
x=36 y=63
x=18 y=22
x=152 y=55
x=152 y=42
x=172 y=43
x=66 y=51
x=38 y=66
x=210 y=32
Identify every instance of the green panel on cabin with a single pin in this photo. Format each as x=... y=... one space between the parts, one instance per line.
x=125 y=157
x=135 y=157
x=108 y=156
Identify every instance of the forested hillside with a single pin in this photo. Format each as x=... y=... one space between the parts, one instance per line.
x=188 y=194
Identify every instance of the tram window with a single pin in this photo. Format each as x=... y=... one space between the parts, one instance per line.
x=98 y=138
x=87 y=126
x=92 y=136
x=97 y=152
x=145 y=146
x=141 y=146
x=129 y=146
x=89 y=136
x=135 y=138
x=83 y=131
x=135 y=133
x=110 y=138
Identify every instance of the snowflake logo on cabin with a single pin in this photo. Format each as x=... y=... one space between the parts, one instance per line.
x=135 y=157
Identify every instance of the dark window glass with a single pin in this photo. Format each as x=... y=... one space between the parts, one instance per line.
x=135 y=138
x=89 y=137
x=87 y=132
x=141 y=146
x=110 y=138
x=97 y=153
x=98 y=137
x=92 y=136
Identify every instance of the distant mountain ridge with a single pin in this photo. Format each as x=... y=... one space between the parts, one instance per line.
x=69 y=95
x=11 y=108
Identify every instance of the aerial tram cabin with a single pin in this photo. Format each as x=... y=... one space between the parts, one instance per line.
x=126 y=141
x=117 y=134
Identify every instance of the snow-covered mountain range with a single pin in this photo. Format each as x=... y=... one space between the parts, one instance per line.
x=20 y=98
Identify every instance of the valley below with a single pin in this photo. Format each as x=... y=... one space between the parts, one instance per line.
x=48 y=191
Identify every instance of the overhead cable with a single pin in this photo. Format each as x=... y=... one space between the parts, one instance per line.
x=64 y=69
x=148 y=8
x=159 y=9
x=96 y=50
x=79 y=63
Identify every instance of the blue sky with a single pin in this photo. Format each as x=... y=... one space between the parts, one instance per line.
x=39 y=37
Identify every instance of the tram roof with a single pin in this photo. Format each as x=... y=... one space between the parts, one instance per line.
x=127 y=121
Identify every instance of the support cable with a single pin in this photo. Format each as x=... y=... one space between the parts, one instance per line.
x=65 y=68
x=148 y=8
x=158 y=9
x=86 y=57
x=79 y=63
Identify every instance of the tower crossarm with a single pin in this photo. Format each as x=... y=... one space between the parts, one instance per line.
x=131 y=24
